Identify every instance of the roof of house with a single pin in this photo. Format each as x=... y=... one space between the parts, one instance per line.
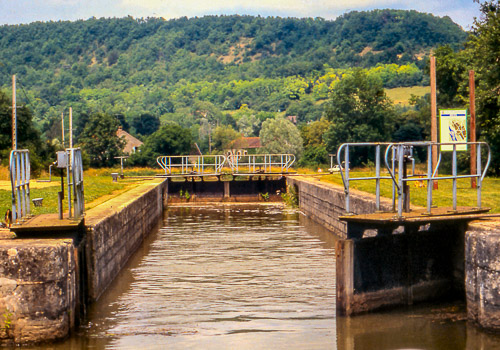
x=246 y=143
x=131 y=142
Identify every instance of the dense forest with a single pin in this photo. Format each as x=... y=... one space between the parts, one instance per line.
x=215 y=78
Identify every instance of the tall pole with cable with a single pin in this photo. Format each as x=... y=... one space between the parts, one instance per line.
x=14 y=114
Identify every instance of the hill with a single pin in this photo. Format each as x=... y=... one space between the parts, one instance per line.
x=130 y=66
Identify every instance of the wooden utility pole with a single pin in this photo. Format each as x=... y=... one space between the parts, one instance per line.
x=70 y=127
x=472 y=127
x=434 y=135
x=14 y=114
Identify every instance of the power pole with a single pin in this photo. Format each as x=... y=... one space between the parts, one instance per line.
x=14 y=114
x=472 y=127
x=434 y=137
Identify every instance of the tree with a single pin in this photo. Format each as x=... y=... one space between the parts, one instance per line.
x=223 y=136
x=485 y=50
x=280 y=136
x=360 y=111
x=169 y=140
x=99 y=140
x=146 y=124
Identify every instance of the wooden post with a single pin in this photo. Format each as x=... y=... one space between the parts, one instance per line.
x=472 y=127
x=14 y=114
x=434 y=135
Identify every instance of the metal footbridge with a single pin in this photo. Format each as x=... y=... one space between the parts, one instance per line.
x=230 y=164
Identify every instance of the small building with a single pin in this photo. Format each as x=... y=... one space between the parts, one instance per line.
x=131 y=143
x=245 y=143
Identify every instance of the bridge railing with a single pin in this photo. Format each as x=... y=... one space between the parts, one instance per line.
x=398 y=156
x=201 y=165
x=260 y=163
x=19 y=167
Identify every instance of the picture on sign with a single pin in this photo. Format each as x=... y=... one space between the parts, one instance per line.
x=453 y=128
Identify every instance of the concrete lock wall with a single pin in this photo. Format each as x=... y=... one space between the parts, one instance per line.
x=116 y=229
x=384 y=269
x=482 y=265
x=38 y=294
x=45 y=283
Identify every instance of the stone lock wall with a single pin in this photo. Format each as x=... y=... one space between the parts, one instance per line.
x=482 y=269
x=115 y=231
x=38 y=298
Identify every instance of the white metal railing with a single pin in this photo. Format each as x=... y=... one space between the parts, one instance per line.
x=200 y=165
x=74 y=175
x=400 y=155
x=260 y=163
x=19 y=167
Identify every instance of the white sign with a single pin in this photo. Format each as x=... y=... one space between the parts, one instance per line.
x=453 y=128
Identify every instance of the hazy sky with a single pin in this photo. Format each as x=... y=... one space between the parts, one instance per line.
x=26 y=11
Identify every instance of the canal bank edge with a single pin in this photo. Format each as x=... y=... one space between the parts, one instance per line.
x=479 y=240
x=482 y=267
x=46 y=283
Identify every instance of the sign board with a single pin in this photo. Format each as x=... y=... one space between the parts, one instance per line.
x=453 y=128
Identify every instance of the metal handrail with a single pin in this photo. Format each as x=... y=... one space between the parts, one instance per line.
x=257 y=163
x=75 y=182
x=201 y=165
x=344 y=170
x=401 y=153
x=20 y=170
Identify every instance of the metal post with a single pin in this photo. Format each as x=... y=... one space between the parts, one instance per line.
x=454 y=174
x=346 y=167
x=377 y=174
x=400 y=155
x=62 y=127
x=429 y=176
x=14 y=114
x=70 y=127
x=478 y=169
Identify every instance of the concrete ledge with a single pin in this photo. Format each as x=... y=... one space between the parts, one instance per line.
x=482 y=267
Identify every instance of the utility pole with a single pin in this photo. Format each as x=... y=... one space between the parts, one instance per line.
x=472 y=127
x=70 y=127
x=14 y=114
x=434 y=137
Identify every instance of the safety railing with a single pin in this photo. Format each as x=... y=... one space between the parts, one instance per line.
x=199 y=165
x=19 y=166
x=74 y=175
x=398 y=157
x=260 y=163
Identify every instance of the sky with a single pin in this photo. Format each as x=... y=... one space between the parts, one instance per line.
x=461 y=12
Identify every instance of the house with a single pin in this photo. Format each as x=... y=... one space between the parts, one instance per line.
x=245 y=143
x=131 y=143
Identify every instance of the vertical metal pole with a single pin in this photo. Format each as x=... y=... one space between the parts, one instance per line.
x=454 y=174
x=472 y=127
x=434 y=135
x=18 y=183
x=70 y=127
x=478 y=169
x=346 y=167
x=70 y=184
x=393 y=165
x=14 y=114
x=429 y=175
x=62 y=127
x=400 y=156
x=377 y=174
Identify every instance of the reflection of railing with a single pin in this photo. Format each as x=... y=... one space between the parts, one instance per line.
x=20 y=181
x=401 y=154
x=74 y=176
x=200 y=165
x=260 y=163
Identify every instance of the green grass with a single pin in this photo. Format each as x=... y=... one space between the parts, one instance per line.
x=402 y=95
x=97 y=185
x=442 y=197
